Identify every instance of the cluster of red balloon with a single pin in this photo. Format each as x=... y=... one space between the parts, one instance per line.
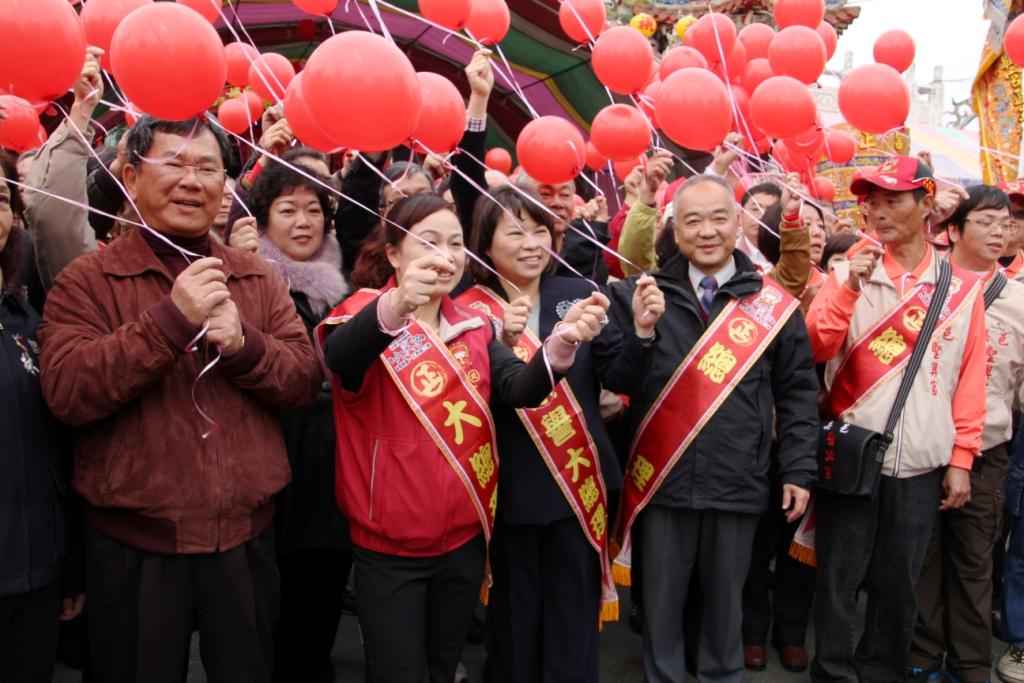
x=486 y=21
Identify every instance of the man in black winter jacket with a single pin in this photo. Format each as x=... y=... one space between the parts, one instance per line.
x=702 y=482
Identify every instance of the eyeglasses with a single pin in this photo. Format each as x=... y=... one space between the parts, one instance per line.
x=176 y=169
x=989 y=225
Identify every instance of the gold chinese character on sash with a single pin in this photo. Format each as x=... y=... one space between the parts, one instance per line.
x=599 y=521
x=641 y=472
x=717 y=362
x=493 y=505
x=589 y=493
x=914 y=318
x=456 y=416
x=558 y=425
x=428 y=379
x=888 y=345
x=483 y=464
x=576 y=460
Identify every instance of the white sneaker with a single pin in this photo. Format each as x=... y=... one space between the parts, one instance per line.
x=1011 y=665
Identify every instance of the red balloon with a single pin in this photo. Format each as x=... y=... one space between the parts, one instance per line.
x=624 y=168
x=19 y=130
x=799 y=52
x=740 y=108
x=810 y=143
x=647 y=99
x=681 y=58
x=1013 y=41
x=824 y=189
x=595 y=161
x=316 y=6
x=762 y=145
x=306 y=29
x=840 y=148
x=131 y=114
x=551 y=150
x=734 y=64
x=41 y=137
x=807 y=13
x=488 y=21
x=233 y=114
x=756 y=38
x=498 y=159
x=442 y=115
x=829 y=37
x=620 y=132
x=360 y=67
x=791 y=160
x=452 y=14
x=783 y=107
x=895 y=48
x=582 y=20
x=270 y=74
x=209 y=9
x=45 y=47
x=168 y=60
x=693 y=109
x=254 y=103
x=240 y=57
x=622 y=60
x=874 y=98
x=755 y=73
x=713 y=35
x=301 y=124
x=101 y=17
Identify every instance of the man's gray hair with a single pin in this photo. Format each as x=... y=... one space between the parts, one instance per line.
x=700 y=180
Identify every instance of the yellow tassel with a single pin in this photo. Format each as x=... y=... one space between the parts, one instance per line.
x=485 y=593
x=609 y=612
x=802 y=553
x=622 y=575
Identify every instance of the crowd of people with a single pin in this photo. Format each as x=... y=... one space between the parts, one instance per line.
x=242 y=397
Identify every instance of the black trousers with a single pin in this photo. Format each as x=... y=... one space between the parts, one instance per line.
x=142 y=608
x=28 y=635
x=312 y=589
x=545 y=603
x=717 y=545
x=415 y=612
x=877 y=545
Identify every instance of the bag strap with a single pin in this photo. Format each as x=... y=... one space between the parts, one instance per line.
x=923 y=339
x=995 y=288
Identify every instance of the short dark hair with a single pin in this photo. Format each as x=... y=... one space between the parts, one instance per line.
x=141 y=135
x=400 y=170
x=487 y=216
x=836 y=244
x=294 y=153
x=761 y=188
x=277 y=179
x=768 y=241
x=979 y=198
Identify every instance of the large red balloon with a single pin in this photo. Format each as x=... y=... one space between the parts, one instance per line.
x=740 y=108
x=840 y=148
x=240 y=57
x=791 y=160
x=755 y=73
x=101 y=17
x=680 y=57
x=713 y=35
x=646 y=101
x=168 y=60
x=442 y=115
x=620 y=132
x=452 y=14
x=270 y=74
x=44 y=44
x=895 y=48
x=624 y=168
x=233 y=114
x=622 y=60
x=783 y=107
x=19 y=130
x=302 y=126
x=360 y=67
x=807 y=13
x=551 y=150
x=498 y=159
x=756 y=38
x=489 y=21
x=799 y=52
x=595 y=161
x=316 y=6
x=254 y=103
x=693 y=109
x=1013 y=41
x=734 y=63
x=829 y=37
x=582 y=20
x=823 y=189
x=209 y=9
x=874 y=98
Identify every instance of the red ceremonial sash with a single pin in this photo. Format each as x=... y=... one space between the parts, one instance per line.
x=719 y=360
x=885 y=349
x=443 y=399
x=560 y=434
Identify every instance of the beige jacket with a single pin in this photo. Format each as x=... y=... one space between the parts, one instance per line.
x=1004 y=362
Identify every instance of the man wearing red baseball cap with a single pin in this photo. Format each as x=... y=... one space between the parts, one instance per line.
x=864 y=324
x=1012 y=259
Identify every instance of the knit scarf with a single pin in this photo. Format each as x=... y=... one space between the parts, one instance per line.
x=319 y=278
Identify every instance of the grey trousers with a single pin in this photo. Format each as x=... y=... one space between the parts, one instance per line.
x=675 y=543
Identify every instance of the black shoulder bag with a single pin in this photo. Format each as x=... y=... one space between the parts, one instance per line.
x=850 y=457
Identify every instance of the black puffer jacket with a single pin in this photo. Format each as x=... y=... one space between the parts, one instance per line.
x=726 y=466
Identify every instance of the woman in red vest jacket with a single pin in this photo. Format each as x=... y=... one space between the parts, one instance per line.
x=417 y=467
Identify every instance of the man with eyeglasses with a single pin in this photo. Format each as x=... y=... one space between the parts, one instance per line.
x=1012 y=260
x=170 y=355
